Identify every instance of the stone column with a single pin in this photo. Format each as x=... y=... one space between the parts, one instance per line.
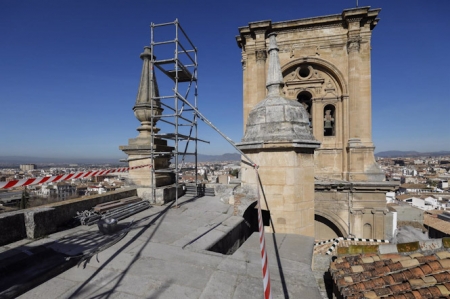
x=357 y=222
x=261 y=56
x=353 y=46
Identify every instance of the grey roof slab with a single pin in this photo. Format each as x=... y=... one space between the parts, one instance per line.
x=150 y=261
x=222 y=283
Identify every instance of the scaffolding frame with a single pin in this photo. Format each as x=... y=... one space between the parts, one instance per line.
x=182 y=70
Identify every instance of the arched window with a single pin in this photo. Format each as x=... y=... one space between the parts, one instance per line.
x=367 y=231
x=329 y=121
x=305 y=98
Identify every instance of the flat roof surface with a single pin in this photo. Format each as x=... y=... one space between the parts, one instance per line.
x=164 y=255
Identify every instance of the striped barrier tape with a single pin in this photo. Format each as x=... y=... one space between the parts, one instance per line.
x=262 y=245
x=337 y=240
x=64 y=177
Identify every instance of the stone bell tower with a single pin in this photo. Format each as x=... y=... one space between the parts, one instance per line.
x=277 y=138
x=326 y=68
x=147 y=148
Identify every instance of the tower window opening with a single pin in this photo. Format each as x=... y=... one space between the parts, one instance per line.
x=304 y=71
x=305 y=98
x=329 y=121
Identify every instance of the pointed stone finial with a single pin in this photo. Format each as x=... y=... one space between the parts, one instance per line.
x=148 y=88
x=147 y=107
x=274 y=83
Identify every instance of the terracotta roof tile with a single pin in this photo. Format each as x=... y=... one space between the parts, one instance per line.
x=400 y=258
x=395 y=266
x=417 y=295
x=398 y=277
x=409 y=263
x=435 y=292
x=418 y=275
x=383 y=292
x=427 y=258
x=426 y=269
x=443 y=254
x=379 y=264
x=389 y=280
x=442 y=277
x=443 y=289
x=408 y=275
x=445 y=263
x=417 y=272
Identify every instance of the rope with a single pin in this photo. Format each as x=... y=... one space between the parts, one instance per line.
x=262 y=245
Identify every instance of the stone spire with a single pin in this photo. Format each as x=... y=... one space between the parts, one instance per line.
x=146 y=106
x=274 y=83
x=275 y=118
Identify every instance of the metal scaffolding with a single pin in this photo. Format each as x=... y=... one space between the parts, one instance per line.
x=178 y=98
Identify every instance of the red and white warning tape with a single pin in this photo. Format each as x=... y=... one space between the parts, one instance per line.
x=262 y=245
x=63 y=177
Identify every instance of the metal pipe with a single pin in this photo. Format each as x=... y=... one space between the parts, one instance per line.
x=205 y=120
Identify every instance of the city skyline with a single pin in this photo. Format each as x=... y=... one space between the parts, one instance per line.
x=71 y=73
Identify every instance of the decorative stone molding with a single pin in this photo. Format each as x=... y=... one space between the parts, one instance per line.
x=261 y=55
x=379 y=211
x=328 y=67
x=353 y=44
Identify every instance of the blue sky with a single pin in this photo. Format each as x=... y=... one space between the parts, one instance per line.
x=70 y=70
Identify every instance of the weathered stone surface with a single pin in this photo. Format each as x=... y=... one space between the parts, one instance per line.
x=41 y=221
x=325 y=63
x=12 y=227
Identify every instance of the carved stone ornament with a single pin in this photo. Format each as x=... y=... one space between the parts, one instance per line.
x=353 y=44
x=261 y=55
x=244 y=64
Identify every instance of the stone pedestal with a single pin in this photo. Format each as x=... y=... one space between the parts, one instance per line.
x=139 y=153
x=361 y=163
x=287 y=175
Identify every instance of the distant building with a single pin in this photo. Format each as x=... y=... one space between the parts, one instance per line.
x=26 y=167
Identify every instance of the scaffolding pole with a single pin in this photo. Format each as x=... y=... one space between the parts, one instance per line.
x=184 y=77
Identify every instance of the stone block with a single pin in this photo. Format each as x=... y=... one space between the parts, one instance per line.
x=12 y=227
x=272 y=176
x=430 y=244
x=388 y=248
x=408 y=247
x=162 y=194
x=40 y=222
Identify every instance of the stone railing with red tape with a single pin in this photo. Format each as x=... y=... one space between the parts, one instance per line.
x=64 y=177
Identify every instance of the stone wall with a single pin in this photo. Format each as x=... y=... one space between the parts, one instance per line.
x=40 y=221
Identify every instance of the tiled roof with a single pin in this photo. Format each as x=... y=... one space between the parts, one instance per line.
x=422 y=272
x=404 y=196
x=436 y=223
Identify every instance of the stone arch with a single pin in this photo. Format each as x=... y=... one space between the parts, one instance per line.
x=332 y=70
x=340 y=225
x=325 y=229
x=367 y=231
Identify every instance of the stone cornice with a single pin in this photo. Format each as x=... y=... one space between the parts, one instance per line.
x=362 y=14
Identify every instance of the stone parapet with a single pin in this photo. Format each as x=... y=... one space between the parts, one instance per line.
x=37 y=222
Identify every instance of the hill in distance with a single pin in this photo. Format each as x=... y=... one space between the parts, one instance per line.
x=393 y=154
x=17 y=160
